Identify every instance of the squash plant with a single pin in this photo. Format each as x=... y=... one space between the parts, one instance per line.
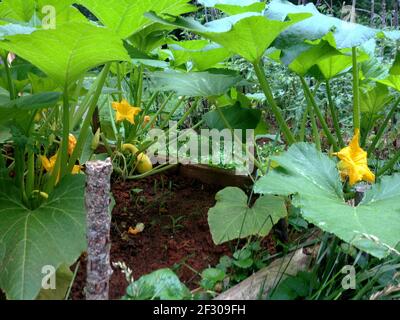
x=42 y=214
x=47 y=112
x=324 y=53
x=53 y=79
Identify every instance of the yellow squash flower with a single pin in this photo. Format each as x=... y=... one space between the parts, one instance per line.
x=76 y=169
x=353 y=162
x=71 y=143
x=125 y=111
x=48 y=164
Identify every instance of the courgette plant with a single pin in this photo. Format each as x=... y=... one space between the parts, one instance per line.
x=44 y=100
x=324 y=53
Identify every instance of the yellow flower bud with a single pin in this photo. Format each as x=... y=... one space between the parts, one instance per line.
x=71 y=143
x=95 y=140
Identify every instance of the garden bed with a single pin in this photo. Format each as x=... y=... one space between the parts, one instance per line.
x=157 y=202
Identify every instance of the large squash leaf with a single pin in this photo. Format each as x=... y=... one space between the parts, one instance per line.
x=125 y=17
x=313 y=180
x=68 y=51
x=201 y=53
x=318 y=51
x=236 y=116
x=13 y=29
x=231 y=218
x=346 y=34
x=392 y=79
x=52 y=234
x=248 y=34
x=375 y=100
x=64 y=10
x=24 y=10
x=233 y=7
x=17 y=10
x=150 y=37
x=64 y=277
x=196 y=84
x=23 y=107
x=335 y=65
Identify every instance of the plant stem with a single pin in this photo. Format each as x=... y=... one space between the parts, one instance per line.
x=383 y=127
x=30 y=180
x=161 y=109
x=65 y=133
x=333 y=112
x=188 y=112
x=302 y=131
x=389 y=165
x=146 y=111
x=11 y=88
x=119 y=82
x=271 y=101
x=139 y=91
x=238 y=140
x=356 y=92
x=317 y=111
x=178 y=104
x=152 y=172
x=367 y=130
x=315 y=131
x=20 y=170
x=86 y=123
x=106 y=144
x=2 y=163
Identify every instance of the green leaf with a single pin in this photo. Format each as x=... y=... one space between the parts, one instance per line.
x=34 y=101
x=20 y=108
x=237 y=116
x=125 y=17
x=313 y=180
x=67 y=52
x=231 y=218
x=293 y=287
x=201 y=53
x=14 y=29
x=244 y=263
x=162 y=284
x=24 y=10
x=375 y=99
x=52 y=234
x=64 y=10
x=346 y=34
x=196 y=84
x=248 y=34
x=233 y=7
x=318 y=52
x=391 y=81
x=64 y=277
x=333 y=66
x=42 y=84
x=395 y=69
x=213 y=274
x=19 y=10
x=150 y=37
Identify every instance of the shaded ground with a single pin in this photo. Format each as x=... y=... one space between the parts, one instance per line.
x=174 y=211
